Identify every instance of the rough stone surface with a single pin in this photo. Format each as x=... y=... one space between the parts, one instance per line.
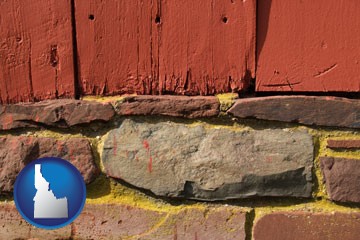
x=17 y=151
x=13 y=226
x=343 y=144
x=179 y=160
x=342 y=178
x=307 y=226
x=176 y=106
x=59 y=113
x=325 y=111
x=108 y=221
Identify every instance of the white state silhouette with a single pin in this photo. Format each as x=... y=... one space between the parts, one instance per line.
x=46 y=205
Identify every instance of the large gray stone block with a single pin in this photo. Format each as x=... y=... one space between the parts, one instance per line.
x=197 y=162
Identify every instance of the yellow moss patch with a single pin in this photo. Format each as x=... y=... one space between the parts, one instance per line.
x=320 y=142
x=354 y=154
x=105 y=190
x=227 y=100
x=106 y=99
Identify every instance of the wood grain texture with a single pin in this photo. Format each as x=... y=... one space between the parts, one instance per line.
x=206 y=47
x=36 y=54
x=165 y=46
x=114 y=41
x=306 y=45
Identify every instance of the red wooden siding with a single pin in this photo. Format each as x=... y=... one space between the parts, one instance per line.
x=156 y=47
x=114 y=40
x=36 y=54
x=186 y=47
x=206 y=47
x=306 y=45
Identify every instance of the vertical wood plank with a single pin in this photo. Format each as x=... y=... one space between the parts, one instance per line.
x=114 y=46
x=36 y=60
x=206 y=46
x=165 y=46
x=305 y=46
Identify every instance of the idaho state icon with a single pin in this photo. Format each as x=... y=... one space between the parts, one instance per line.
x=49 y=193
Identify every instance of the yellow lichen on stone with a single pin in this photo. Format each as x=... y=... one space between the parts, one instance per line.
x=226 y=100
x=105 y=99
x=105 y=190
x=320 y=150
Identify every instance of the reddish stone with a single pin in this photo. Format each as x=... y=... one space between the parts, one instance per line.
x=36 y=50
x=325 y=111
x=16 y=152
x=176 y=106
x=343 y=144
x=342 y=178
x=13 y=226
x=308 y=226
x=308 y=46
x=110 y=221
x=59 y=113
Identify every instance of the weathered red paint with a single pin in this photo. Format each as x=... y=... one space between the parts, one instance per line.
x=306 y=45
x=147 y=147
x=206 y=47
x=114 y=40
x=157 y=47
x=150 y=164
x=36 y=53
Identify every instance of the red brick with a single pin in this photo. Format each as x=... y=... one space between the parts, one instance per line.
x=342 y=178
x=226 y=223
x=308 y=110
x=118 y=221
x=176 y=106
x=343 y=144
x=308 y=226
x=13 y=226
x=110 y=221
x=308 y=46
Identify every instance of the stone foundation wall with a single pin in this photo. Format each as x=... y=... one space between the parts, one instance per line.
x=176 y=167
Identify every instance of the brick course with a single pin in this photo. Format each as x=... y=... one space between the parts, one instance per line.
x=307 y=226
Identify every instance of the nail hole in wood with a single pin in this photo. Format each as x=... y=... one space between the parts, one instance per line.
x=225 y=19
x=157 y=20
x=91 y=17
